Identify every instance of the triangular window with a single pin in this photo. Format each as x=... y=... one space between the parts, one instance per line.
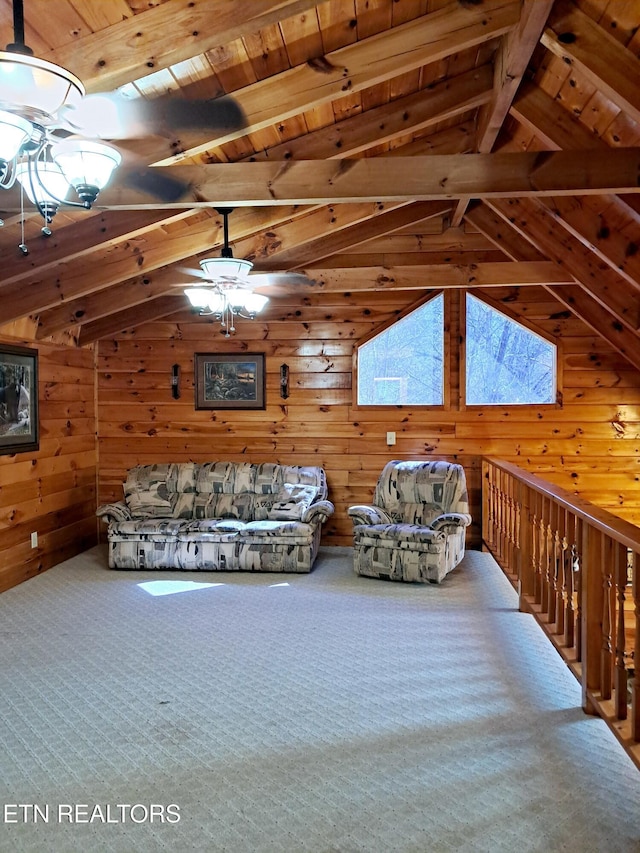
x=506 y=363
x=404 y=364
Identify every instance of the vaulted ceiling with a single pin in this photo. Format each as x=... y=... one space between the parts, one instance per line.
x=387 y=144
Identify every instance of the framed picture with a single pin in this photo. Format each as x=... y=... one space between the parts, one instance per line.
x=229 y=381
x=18 y=399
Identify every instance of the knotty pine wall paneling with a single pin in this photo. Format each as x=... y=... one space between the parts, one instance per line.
x=588 y=445
x=52 y=491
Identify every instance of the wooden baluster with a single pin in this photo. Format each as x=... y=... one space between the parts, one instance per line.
x=577 y=584
x=570 y=610
x=526 y=538
x=635 y=695
x=606 y=647
x=540 y=550
x=591 y=614
x=561 y=583
x=545 y=549
x=487 y=505
x=496 y=487
x=554 y=554
x=511 y=529
x=501 y=534
x=620 y=676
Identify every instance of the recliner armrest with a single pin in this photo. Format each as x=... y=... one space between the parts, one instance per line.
x=318 y=512
x=450 y=521
x=114 y=512
x=365 y=514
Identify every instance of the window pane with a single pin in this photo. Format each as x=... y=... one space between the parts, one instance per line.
x=506 y=363
x=404 y=364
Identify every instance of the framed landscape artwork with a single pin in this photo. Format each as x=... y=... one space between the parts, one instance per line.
x=229 y=381
x=18 y=399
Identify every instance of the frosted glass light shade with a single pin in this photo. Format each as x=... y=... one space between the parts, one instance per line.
x=255 y=302
x=226 y=267
x=34 y=87
x=85 y=163
x=198 y=296
x=14 y=132
x=47 y=186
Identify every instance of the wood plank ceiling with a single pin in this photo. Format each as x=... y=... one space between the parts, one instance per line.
x=408 y=144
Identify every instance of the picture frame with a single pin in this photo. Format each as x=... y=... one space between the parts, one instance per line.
x=229 y=380
x=19 y=424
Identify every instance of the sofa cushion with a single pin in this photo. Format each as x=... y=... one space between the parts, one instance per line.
x=158 y=502
x=215 y=505
x=156 y=529
x=165 y=490
x=292 y=501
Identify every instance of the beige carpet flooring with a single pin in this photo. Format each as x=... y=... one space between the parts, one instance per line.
x=283 y=713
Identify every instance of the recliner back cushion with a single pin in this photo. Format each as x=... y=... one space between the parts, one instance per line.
x=417 y=492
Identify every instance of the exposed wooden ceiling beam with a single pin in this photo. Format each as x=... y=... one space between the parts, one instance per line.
x=436 y=276
x=392 y=179
x=512 y=58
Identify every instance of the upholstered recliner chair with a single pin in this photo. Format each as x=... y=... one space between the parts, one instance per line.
x=415 y=531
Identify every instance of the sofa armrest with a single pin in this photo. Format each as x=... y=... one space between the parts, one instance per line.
x=365 y=514
x=114 y=512
x=450 y=521
x=318 y=512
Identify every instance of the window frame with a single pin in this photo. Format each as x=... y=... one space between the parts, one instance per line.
x=526 y=324
x=446 y=356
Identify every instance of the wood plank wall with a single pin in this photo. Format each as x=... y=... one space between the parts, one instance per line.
x=589 y=444
x=52 y=491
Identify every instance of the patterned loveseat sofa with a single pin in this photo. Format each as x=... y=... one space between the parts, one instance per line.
x=218 y=515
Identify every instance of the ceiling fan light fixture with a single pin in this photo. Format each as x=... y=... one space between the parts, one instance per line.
x=34 y=96
x=36 y=88
x=217 y=268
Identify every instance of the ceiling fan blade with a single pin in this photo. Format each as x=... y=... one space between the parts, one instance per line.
x=195 y=273
x=266 y=279
x=148 y=180
x=110 y=115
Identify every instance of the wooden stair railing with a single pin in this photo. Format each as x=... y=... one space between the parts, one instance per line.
x=576 y=569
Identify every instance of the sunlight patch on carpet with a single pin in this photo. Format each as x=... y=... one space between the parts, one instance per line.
x=171 y=587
